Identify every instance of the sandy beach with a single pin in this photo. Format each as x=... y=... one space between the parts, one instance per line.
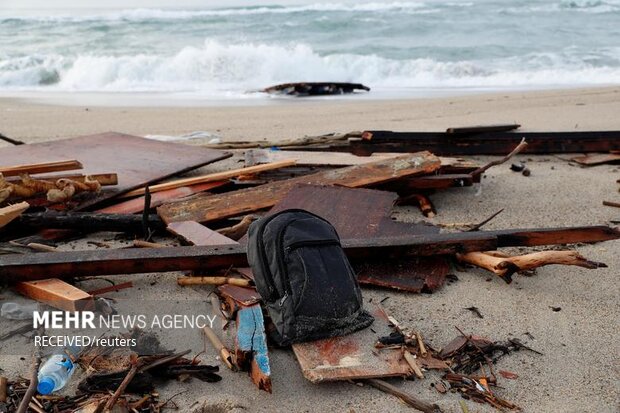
x=580 y=365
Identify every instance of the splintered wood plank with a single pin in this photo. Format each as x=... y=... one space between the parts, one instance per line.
x=251 y=346
x=57 y=294
x=137 y=204
x=312 y=158
x=415 y=274
x=207 y=208
x=39 y=168
x=217 y=176
x=9 y=213
x=197 y=234
x=352 y=357
x=234 y=296
x=137 y=161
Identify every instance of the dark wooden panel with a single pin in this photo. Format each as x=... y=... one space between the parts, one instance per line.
x=137 y=161
x=416 y=275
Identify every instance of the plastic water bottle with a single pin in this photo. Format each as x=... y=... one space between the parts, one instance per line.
x=54 y=374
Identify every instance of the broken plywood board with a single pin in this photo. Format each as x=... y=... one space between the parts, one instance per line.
x=137 y=161
x=57 y=294
x=353 y=356
x=9 y=213
x=197 y=234
x=205 y=208
x=135 y=205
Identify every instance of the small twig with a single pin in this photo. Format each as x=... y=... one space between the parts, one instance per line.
x=11 y=140
x=407 y=398
x=145 y=215
x=121 y=388
x=515 y=151
x=479 y=225
x=34 y=380
x=170 y=398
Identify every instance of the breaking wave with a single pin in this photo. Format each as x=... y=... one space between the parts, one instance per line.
x=218 y=68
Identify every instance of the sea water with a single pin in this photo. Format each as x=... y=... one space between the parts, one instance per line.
x=396 y=48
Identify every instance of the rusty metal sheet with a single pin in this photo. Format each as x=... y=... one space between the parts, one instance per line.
x=137 y=161
x=415 y=274
x=353 y=356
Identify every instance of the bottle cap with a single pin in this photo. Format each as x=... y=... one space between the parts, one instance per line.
x=45 y=386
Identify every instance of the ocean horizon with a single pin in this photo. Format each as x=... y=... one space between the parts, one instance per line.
x=398 y=49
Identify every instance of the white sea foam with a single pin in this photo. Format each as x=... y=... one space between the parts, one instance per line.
x=217 y=68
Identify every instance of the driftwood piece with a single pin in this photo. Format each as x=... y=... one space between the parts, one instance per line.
x=597 y=159
x=20 y=267
x=237 y=231
x=611 y=204
x=407 y=398
x=194 y=233
x=505 y=266
x=9 y=213
x=106 y=179
x=39 y=168
x=471 y=130
x=315 y=88
x=209 y=208
x=34 y=382
x=11 y=140
x=218 y=176
x=519 y=148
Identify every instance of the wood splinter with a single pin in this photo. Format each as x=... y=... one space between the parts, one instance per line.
x=505 y=266
x=241 y=282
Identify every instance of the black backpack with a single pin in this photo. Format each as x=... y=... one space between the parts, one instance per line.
x=304 y=278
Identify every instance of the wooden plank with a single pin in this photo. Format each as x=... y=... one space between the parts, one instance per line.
x=504 y=127
x=313 y=158
x=261 y=156
x=14 y=268
x=196 y=234
x=214 y=207
x=135 y=205
x=491 y=143
x=234 y=296
x=39 y=168
x=137 y=161
x=57 y=294
x=9 y=213
x=353 y=356
x=597 y=158
x=251 y=346
x=218 y=176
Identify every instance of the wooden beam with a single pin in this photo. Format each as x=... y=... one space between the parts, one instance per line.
x=215 y=207
x=197 y=234
x=9 y=213
x=218 y=176
x=15 y=268
x=39 y=168
x=470 y=130
x=491 y=143
x=107 y=179
x=57 y=294
x=89 y=221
